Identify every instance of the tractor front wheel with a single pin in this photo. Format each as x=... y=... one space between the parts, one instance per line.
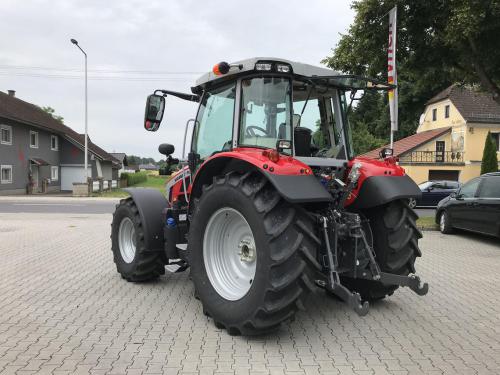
x=133 y=260
x=252 y=254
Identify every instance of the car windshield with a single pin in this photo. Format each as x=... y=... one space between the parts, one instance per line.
x=425 y=185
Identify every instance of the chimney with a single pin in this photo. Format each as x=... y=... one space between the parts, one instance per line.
x=11 y=92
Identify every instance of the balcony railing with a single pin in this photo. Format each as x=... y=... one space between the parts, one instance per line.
x=423 y=157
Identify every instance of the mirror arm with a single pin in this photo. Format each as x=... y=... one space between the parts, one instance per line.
x=181 y=95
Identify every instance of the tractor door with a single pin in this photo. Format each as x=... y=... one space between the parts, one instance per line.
x=213 y=131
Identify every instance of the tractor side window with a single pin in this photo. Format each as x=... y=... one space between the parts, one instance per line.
x=214 y=129
x=265 y=112
x=307 y=115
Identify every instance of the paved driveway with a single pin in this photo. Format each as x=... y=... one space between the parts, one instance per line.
x=64 y=309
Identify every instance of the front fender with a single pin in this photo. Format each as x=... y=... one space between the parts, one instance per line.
x=150 y=203
x=378 y=190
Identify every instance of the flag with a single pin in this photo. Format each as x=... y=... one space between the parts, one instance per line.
x=391 y=69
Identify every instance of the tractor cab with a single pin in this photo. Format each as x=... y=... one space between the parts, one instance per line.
x=298 y=109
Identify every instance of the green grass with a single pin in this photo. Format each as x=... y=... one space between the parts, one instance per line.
x=427 y=223
x=155 y=182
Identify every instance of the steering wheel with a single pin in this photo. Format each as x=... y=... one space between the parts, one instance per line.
x=250 y=131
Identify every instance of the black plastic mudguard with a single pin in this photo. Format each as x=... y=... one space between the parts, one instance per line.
x=300 y=188
x=378 y=190
x=150 y=203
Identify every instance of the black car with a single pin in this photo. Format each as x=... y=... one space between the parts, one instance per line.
x=475 y=207
x=433 y=192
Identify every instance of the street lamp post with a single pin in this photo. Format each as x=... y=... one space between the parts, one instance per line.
x=75 y=42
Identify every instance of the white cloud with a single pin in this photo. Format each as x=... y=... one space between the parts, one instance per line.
x=180 y=36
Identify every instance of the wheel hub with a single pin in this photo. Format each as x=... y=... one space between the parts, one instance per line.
x=246 y=251
x=229 y=253
x=127 y=240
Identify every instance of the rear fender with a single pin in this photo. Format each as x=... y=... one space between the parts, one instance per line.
x=291 y=178
x=381 y=182
x=150 y=203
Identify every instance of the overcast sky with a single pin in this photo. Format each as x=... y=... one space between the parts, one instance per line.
x=132 y=45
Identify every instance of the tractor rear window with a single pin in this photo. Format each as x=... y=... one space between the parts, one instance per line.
x=265 y=111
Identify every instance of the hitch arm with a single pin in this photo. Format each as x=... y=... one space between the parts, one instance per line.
x=334 y=285
x=413 y=282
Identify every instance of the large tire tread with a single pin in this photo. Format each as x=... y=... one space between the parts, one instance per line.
x=146 y=265
x=395 y=236
x=292 y=255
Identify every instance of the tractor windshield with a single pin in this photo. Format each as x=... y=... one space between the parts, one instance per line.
x=265 y=111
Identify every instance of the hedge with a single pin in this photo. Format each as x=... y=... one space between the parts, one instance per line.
x=134 y=178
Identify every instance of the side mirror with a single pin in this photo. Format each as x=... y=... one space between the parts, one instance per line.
x=155 y=105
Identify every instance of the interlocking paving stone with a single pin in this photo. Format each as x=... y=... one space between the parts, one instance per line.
x=64 y=310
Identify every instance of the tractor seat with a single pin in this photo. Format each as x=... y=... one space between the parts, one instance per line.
x=302 y=141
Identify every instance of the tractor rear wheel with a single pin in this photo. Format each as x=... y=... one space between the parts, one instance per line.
x=133 y=260
x=395 y=241
x=252 y=254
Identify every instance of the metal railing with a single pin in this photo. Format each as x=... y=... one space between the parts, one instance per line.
x=448 y=157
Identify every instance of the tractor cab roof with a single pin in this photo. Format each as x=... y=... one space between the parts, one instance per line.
x=224 y=72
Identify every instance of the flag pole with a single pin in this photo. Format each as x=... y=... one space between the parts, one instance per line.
x=391 y=73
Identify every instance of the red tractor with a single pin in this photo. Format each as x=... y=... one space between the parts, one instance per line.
x=272 y=203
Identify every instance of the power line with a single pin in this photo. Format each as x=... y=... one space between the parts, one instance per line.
x=97 y=78
x=126 y=71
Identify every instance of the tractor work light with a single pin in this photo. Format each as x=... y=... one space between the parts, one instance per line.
x=355 y=173
x=283 y=68
x=283 y=144
x=263 y=66
x=386 y=152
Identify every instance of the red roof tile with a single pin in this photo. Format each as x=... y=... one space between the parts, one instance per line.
x=474 y=105
x=409 y=143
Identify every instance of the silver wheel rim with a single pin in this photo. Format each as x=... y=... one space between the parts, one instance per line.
x=442 y=222
x=412 y=203
x=126 y=240
x=229 y=254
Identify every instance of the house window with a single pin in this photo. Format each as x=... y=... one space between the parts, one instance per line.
x=434 y=114
x=33 y=139
x=6 y=174
x=54 y=173
x=447 y=111
x=496 y=138
x=54 y=143
x=6 y=134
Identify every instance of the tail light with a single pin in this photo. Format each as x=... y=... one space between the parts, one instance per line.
x=272 y=155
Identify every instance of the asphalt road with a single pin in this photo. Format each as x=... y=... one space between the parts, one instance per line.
x=70 y=205
x=65 y=205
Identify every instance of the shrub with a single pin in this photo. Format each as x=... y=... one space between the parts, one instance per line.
x=490 y=161
x=134 y=178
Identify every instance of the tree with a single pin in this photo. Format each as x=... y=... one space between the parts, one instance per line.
x=51 y=111
x=490 y=161
x=439 y=43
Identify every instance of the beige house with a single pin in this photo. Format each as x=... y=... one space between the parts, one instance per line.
x=450 y=139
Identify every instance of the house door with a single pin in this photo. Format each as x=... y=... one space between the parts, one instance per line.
x=34 y=176
x=440 y=145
